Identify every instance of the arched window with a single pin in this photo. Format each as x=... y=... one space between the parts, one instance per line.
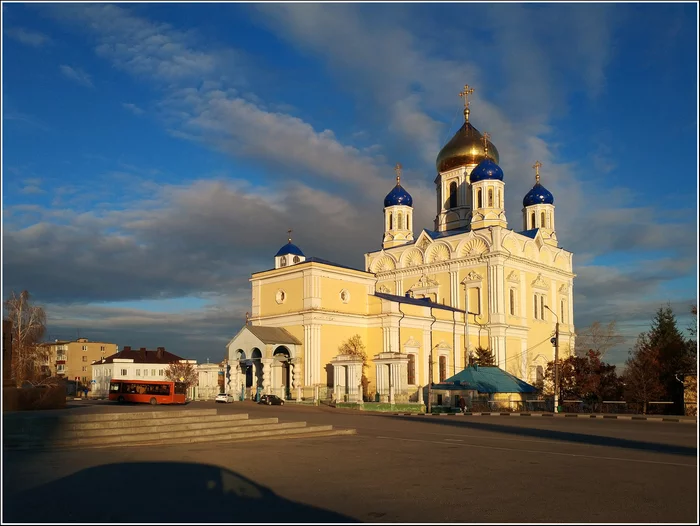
x=411 y=369
x=563 y=318
x=532 y=220
x=478 y=198
x=443 y=368
x=399 y=221
x=391 y=221
x=512 y=302
x=543 y=224
x=491 y=197
x=283 y=261
x=453 y=195
x=296 y=259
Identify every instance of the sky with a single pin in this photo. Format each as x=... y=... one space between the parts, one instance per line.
x=154 y=156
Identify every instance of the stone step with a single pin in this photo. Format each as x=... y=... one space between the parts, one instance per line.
x=305 y=432
x=67 y=434
x=123 y=440
x=148 y=422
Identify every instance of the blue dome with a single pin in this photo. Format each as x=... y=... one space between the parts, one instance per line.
x=398 y=196
x=289 y=248
x=486 y=169
x=539 y=195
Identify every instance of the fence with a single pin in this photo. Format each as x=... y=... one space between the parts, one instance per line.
x=618 y=407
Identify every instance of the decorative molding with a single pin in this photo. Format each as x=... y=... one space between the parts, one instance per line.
x=383 y=289
x=424 y=243
x=473 y=276
x=425 y=283
x=540 y=283
x=514 y=277
x=344 y=296
x=564 y=290
x=412 y=342
x=438 y=252
x=280 y=296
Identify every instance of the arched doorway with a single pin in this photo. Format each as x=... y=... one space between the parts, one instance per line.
x=281 y=372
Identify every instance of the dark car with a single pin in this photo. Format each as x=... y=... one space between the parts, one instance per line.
x=271 y=400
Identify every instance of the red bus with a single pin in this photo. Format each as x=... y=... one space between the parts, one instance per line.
x=147 y=392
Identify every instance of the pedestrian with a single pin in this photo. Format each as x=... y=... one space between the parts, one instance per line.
x=462 y=404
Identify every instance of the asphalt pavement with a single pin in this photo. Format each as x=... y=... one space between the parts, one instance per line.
x=396 y=469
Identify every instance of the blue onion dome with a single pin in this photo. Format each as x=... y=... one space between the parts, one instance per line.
x=539 y=195
x=289 y=248
x=486 y=169
x=398 y=196
x=465 y=147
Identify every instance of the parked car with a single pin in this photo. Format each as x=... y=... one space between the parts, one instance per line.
x=271 y=400
x=225 y=398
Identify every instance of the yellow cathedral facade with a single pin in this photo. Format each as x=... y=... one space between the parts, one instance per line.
x=425 y=301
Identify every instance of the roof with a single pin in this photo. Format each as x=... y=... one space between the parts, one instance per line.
x=446 y=233
x=142 y=356
x=326 y=262
x=529 y=233
x=272 y=334
x=487 y=379
x=422 y=302
x=289 y=248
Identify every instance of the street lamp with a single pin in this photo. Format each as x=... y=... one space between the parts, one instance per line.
x=556 y=360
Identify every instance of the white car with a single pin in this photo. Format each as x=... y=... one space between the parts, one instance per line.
x=225 y=398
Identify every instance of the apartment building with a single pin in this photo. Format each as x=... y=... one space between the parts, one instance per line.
x=72 y=359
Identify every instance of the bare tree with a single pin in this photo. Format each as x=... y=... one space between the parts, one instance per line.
x=28 y=328
x=598 y=338
x=182 y=372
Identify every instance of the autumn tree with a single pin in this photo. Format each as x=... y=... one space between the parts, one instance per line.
x=182 y=372
x=482 y=356
x=28 y=328
x=598 y=337
x=641 y=379
x=355 y=347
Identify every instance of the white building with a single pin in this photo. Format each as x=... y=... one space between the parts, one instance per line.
x=132 y=364
x=208 y=385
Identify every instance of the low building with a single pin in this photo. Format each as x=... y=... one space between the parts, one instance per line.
x=211 y=381
x=71 y=359
x=489 y=386
x=132 y=364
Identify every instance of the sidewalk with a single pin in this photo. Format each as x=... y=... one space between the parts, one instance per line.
x=600 y=416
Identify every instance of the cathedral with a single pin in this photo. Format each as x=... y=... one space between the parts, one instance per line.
x=426 y=300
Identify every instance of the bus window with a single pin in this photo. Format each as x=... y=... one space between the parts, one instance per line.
x=114 y=387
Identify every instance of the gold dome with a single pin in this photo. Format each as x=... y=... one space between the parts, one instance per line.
x=466 y=147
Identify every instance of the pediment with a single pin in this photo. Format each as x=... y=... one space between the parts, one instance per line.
x=540 y=283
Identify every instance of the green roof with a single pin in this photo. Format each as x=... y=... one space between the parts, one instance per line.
x=486 y=379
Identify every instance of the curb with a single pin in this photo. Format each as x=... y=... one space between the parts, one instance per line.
x=678 y=420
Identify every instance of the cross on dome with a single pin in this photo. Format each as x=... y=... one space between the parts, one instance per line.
x=537 y=167
x=289 y=235
x=485 y=139
x=465 y=95
x=397 y=169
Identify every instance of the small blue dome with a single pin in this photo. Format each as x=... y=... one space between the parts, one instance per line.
x=398 y=196
x=289 y=248
x=486 y=169
x=539 y=195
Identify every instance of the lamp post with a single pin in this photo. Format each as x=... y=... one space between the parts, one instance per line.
x=556 y=360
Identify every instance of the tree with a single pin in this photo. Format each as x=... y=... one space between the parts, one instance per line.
x=641 y=378
x=482 y=357
x=675 y=356
x=598 y=337
x=355 y=347
x=28 y=328
x=182 y=372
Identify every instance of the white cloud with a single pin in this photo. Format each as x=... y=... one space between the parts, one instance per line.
x=133 y=108
x=28 y=37
x=76 y=75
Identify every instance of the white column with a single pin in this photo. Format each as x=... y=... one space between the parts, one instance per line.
x=308 y=362
x=266 y=365
x=454 y=289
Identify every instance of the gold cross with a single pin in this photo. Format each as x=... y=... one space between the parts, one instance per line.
x=397 y=169
x=537 y=167
x=485 y=139
x=289 y=235
x=465 y=94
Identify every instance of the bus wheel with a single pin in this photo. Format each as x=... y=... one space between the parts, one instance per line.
x=121 y=400
x=153 y=401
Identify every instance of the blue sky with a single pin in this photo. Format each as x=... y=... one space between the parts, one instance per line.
x=155 y=155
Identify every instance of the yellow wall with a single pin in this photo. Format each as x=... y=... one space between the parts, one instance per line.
x=294 y=291
x=330 y=294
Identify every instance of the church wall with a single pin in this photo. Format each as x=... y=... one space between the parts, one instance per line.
x=332 y=337
x=270 y=291
x=354 y=295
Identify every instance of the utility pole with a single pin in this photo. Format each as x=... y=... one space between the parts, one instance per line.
x=556 y=361
x=430 y=366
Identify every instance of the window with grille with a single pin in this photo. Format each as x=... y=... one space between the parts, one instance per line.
x=84 y=347
x=443 y=368
x=123 y=372
x=412 y=369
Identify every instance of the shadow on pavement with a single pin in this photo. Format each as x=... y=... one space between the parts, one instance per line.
x=161 y=492
x=549 y=434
